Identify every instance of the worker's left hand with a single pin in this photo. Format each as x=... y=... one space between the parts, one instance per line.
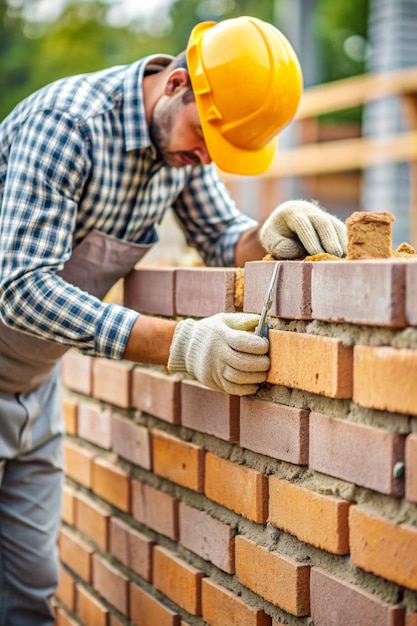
x=298 y=227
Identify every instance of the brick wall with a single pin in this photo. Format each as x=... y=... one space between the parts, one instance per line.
x=184 y=506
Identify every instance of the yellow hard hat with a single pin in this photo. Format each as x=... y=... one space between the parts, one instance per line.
x=247 y=83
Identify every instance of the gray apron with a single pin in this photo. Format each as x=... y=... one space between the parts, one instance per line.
x=26 y=362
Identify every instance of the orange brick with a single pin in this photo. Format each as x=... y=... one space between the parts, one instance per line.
x=319 y=520
x=284 y=582
x=221 y=607
x=131 y=547
x=90 y=610
x=69 y=415
x=178 y=580
x=62 y=619
x=68 y=504
x=78 y=462
x=156 y=393
x=411 y=620
x=94 y=424
x=411 y=468
x=321 y=365
x=146 y=611
x=75 y=553
x=76 y=372
x=385 y=378
x=92 y=519
x=111 y=483
x=178 y=461
x=131 y=441
x=66 y=588
x=154 y=508
x=383 y=548
x=111 y=584
x=112 y=381
x=239 y=488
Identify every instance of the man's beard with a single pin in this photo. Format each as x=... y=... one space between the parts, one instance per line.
x=160 y=132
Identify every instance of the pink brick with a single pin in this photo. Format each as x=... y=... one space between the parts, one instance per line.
x=274 y=430
x=111 y=584
x=208 y=537
x=204 y=291
x=335 y=601
x=77 y=372
x=359 y=292
x=356 y=453
x=151 y=290
x=112 y=381
x=131 y=441
x=94 y=424
x=411 y=294
x=154 y=508
x=210 y=412
x=156 y=393
x=292 y=293
x=411 y=468
x=131 y=548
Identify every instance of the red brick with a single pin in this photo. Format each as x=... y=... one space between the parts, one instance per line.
x=411 y=468
x=68 y=504
x=92 y=519
x=76 y=372
x=321 y=365
x=275 y=430
x=383 y=547
x=319 y=520
x=335 y=601
x=154 y=508
x=178 y=580
x=156 y=393
x=205 y=291
x=111 y=483
x=131 y=547
x=384 y=378
x=377 y=287
x=78 y=462
x=151 y=290
x=237 y=487
x=178 y=461
x=131 y=441
x=90 y=610
x=284 y=582
x=221 y=607
x=411 y=620
x=111 y=584
x=94 y=424
x=66 y=588
x=75 y=553
x=208 y=537
x=411 y=295
x=146 y=611
x=70 y=415
x=112 y=381
x=359 y=454
x=210 y=412
x=292 y=294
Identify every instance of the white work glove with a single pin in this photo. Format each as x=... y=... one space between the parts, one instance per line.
x=220 y=353
x=298 y=227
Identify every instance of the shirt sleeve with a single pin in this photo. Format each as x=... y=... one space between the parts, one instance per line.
x=210 y=218
x=48 y=167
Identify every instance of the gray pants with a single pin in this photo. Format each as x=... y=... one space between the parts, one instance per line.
x=31 y=470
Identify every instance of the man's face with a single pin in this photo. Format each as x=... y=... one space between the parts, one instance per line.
x=176 y=131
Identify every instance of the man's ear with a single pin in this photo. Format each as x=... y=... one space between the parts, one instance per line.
x=177 y=79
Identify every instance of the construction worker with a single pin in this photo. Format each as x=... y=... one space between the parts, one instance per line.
x=88 y=166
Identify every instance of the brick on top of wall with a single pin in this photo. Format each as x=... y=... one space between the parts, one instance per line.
x=204 y=291
x=284 y=581
x=335 y=601
x=275 y=430
x=131 y=441
x=321 y=365
x=111 y=584
x=94 y=424
x=78 y=462
x=359 y=292
x=77 y=372
x=147 y=611
x=319 y=520
x=111 y=483
x=178 y=580
x=208 y=411
x=131 y=547
x=208 y=537
x=242 y=489
x=292 y=293
x=384 y=548
x=411 y=294
x=155 y=508
x=357 y=453
x=92 y=519
x=221 y=607
x=112 y=381
x=157 y=393
x=385 y=378
x=411 y=468
x=90 y=609
x=151 y=290
x=178 y=461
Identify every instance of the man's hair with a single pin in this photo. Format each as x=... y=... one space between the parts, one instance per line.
x=180 y=61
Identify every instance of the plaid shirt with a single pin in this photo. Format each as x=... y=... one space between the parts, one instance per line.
x=76 y=156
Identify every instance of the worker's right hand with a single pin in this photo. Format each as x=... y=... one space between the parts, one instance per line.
x=220 y=353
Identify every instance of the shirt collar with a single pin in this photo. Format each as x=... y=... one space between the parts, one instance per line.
x=134 y=115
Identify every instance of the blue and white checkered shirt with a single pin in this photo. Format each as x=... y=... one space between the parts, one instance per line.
x=76 y=156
